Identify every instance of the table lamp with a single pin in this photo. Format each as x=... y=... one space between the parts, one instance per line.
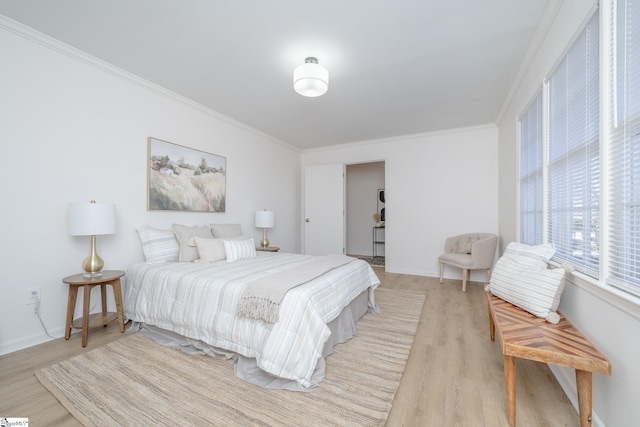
x=91 y=219
x=265 y=219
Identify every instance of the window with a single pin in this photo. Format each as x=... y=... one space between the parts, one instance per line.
x=624 y=148
x=573 y=154
x=560 y=155
x=531 y=173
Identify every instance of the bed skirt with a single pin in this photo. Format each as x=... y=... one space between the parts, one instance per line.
x=342 y=328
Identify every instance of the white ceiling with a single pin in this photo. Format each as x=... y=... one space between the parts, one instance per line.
x=395 y=67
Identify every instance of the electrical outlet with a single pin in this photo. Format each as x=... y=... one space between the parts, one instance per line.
x=32 y=295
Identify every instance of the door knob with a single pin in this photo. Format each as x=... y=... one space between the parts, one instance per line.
x=306 y=220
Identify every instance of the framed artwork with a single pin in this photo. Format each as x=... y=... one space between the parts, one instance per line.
x=381 y=203
x=183 y=179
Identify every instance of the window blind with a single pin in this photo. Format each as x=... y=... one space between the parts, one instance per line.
x=624 y=148
x=573 y=153
x=531 y=173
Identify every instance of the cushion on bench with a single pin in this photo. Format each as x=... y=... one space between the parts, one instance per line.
x=522 y=278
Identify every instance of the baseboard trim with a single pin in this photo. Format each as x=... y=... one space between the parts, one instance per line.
x=30 y=341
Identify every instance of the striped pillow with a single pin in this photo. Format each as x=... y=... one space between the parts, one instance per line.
x=158 y=245
x=239 y=249
x=534 y=289
x=533 y=256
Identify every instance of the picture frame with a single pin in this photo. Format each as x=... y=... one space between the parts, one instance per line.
x=180 y=178
x=381 y=202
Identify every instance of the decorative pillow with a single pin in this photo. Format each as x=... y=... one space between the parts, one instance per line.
x=209 y=250
x=464 y=245
x=223 y=231
x=534 y=289
x=534 y=256
x=158 y=245
x=239 y=249
x=184 y=234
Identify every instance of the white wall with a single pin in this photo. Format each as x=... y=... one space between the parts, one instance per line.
x=608 y=318
x=71 y=132
x=437 y=185
x=363 y=182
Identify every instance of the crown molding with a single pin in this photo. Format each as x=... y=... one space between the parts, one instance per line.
x=548 y=17
x=401 y=138
x=42 y=39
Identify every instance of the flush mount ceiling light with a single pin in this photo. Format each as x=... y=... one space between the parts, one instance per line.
x=311 y=79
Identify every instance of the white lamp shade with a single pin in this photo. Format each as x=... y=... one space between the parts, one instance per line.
x=265 y=219
x=311 y=79
x=89 y=219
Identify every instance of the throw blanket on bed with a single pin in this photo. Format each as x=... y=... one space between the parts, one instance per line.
x=261 y=298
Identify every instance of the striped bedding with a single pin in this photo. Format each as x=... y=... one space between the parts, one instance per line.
x=199 y=301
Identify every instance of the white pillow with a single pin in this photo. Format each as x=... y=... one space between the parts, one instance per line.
x=239 y=249
x=158 y=245
x=184 y=234
x=534 y=256
x=534 y=289
x=463 y=246
x=224 y=231
x=209 y=250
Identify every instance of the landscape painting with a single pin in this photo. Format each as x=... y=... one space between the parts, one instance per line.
x=184 y=179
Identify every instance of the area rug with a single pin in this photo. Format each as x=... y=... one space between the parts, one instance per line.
x=377 y=261
x=135 y=382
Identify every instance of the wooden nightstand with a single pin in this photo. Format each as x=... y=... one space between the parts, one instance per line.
x=267 y=249
x=109 y=277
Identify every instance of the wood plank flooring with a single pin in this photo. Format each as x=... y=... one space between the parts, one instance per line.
x=454 y=376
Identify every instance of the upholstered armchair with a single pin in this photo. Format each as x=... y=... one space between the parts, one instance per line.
x=473 y=251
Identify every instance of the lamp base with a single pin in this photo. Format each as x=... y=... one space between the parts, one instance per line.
x=93 y=264
x=91 y=275
x=264 y=242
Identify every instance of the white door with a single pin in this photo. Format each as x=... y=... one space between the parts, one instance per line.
x=324 y=209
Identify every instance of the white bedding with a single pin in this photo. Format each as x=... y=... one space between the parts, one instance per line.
x=199 y=301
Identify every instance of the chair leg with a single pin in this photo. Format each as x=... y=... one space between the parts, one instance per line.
x=441 y=271
x=465 y=273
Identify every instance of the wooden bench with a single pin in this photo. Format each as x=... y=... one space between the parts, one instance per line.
x=524 y=335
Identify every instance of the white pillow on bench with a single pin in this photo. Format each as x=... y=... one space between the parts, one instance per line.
x=521 y=278
x=534 y=256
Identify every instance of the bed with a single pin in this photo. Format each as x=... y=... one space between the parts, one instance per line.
x=194 y=306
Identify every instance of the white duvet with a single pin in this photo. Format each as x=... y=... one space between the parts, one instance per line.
x=199 y=301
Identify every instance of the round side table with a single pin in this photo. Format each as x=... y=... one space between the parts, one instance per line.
x=109 y=277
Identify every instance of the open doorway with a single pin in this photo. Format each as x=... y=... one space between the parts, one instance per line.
x=365 y=211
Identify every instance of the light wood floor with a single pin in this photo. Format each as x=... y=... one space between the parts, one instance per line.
x=454 y=375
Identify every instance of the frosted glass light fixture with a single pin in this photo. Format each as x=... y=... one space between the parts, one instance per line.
x=265 y=219
x=91 y=219
x=311 y=79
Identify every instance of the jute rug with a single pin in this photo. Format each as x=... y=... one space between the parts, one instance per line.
x=135 y=382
